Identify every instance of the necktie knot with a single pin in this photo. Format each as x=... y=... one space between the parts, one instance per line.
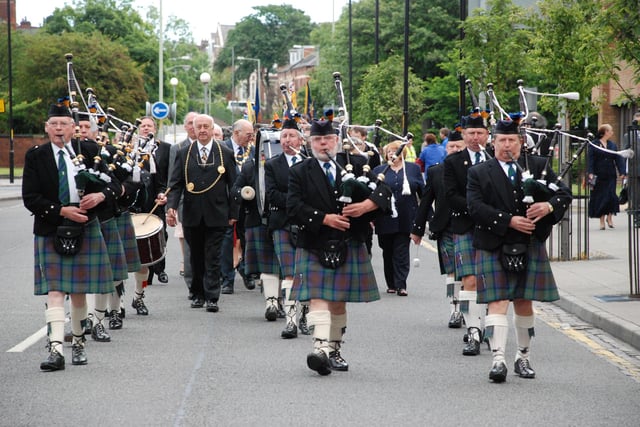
x=294 y=159
x=478 y=158
x=512 y=172
x=240 y=151
x=205 y=154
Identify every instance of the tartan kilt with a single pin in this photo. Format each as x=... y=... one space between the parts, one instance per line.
x=465 y=255
x=285 y=252
x=259 y=253
x=354 y=281
x=446 y=251
x=536 y=284
x=129 y=242
x=88 y=272
x=115 y=249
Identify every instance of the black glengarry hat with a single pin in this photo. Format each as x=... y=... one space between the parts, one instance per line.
x=59 y=110
x=322 y=127
x=506 y=127
x=474 y=121
x=290 y=124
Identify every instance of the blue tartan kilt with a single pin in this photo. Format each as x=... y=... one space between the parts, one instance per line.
x=354 y=281
x=536 y=284
x=115 y=249
x=259 y=253
x=88 y=272
x=129 y=242
x=465 y=255
x=446 y=253
x=285 y=252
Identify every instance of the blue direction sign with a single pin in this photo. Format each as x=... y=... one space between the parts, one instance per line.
x=159 y=110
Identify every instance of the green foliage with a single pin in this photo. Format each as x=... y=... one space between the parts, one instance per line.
x=381 y=96
x=115 y=78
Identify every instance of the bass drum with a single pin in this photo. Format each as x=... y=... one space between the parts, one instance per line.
x=267 y=146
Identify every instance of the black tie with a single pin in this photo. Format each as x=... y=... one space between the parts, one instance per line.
x=327 y=168
x=477 y=158
x=512 y=173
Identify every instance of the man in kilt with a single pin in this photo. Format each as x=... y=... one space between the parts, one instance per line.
x=440 y=228
x=495 y=199
x=259 y=251
x=50 y=193
x=333 y=266
x=276 y=181
x=475 y=135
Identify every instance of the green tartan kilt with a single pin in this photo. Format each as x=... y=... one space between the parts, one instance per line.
x=536 y=284
x=354 y=281
x=88 y=272
x=285 y=252
x=115 y=249
x=446 y=253
x=129 y=242
x=465 y=255
x=259 y=253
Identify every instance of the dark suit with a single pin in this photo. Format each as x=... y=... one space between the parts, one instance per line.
x=440 y=217
x=206 y=215
x=276 y=179
x=456 y=166
x=492 y=201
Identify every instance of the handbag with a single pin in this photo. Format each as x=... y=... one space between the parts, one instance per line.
x=591 y=182
x=68 y=238
x=333 y=254
x=624 y=195
x=513 y=257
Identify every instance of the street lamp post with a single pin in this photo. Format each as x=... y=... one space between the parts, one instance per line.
x=258 y=72
x=205 y=78
x=174 y=106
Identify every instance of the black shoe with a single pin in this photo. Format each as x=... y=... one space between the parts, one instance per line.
x=336 y=362
x=248 y=281
x=319 y=362
x=197 y=302
x=54 y=362
x=227 y=290
x=498 y=373
x=190 y=296
x=271 y=313
x=455 y=321
x=302 y=323
x=138 y=304
x=88 y=324
x=115 y=321
x=473 y=345
x=523 y=369
x=98 y=333
x=212 y=306
x=122 y=312
x=290 y=331
x=163 y=277
x=78 y=354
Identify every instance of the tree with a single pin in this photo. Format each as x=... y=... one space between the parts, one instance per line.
x=42 y=80
x=267 y=35
x=381 y=96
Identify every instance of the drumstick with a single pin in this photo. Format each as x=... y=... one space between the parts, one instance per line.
x=156 y=206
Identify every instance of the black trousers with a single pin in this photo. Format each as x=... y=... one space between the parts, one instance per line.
x=395 y=256
x=205 y=243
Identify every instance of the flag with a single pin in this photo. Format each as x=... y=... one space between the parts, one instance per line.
x=251 y=114
x=256 y=107
x=308 y=102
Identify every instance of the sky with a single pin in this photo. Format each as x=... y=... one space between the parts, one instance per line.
x=202 y=24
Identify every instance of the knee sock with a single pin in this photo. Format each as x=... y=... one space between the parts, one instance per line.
x=141 y=280
x=336 y=331
x=321 y=322
x=497 y=331
x=271 y=289
x=524 y=332
x=291 y=306
x=55 y=327
x=474 y=314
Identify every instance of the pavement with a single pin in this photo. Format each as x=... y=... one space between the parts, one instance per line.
x=597 y=290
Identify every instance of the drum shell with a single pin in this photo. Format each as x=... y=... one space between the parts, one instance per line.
x=152 y=245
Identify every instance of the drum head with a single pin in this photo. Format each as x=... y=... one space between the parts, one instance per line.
x=145 y=224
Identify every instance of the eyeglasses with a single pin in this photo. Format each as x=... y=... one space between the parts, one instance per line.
x=58 y=124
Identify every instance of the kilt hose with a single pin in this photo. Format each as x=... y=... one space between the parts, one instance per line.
x=115 y=249
x=446 y=253
x=88 y=272
x=354 y=281
x=536 y=284
x=465 y=255
x=285 y=252
x=259 y=253
x=129 y=242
